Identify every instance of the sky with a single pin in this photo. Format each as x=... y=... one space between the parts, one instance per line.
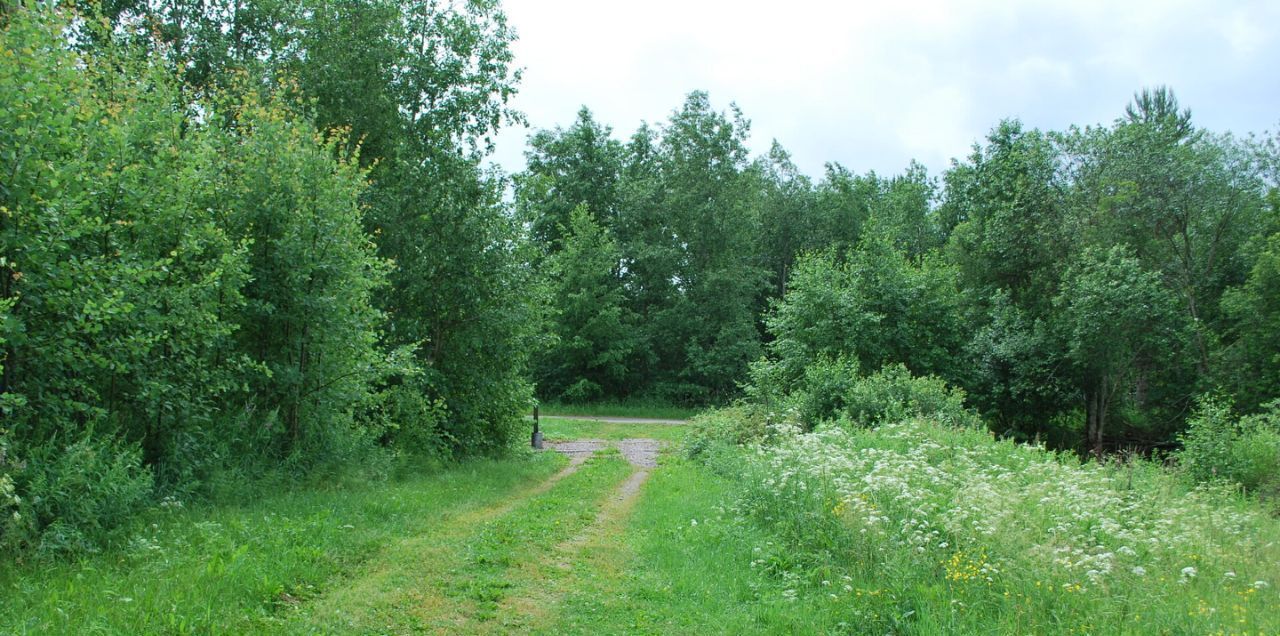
x=873 y=85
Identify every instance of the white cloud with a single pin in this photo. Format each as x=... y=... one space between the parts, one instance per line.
x=875 y=84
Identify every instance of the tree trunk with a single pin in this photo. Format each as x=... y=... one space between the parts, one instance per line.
x=1096 y=400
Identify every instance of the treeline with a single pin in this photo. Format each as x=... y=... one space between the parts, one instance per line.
x=239 y=240
x=1085 y=287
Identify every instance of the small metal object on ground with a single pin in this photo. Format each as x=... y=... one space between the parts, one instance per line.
x=536 y=440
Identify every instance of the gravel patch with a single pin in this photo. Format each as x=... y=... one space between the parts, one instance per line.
x=641 y=452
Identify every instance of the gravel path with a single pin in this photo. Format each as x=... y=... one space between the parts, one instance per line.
x=578 y=450
x=640 y=452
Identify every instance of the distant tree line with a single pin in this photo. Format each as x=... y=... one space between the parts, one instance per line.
x=1083 y=287
x=248 y=238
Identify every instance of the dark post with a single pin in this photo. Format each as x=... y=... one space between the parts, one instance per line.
x=536 y=442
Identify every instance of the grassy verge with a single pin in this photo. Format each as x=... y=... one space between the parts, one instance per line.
x=208 y=569
x=453 y=579
x=554 y=429
x=684 y=565
x=921 y=528
x=628 y=408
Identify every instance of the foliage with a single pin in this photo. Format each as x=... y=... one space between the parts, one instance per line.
x=1016 y=375
x=1011 y=228
x=569 y=168
x=893 y=394
x=920 y=527
x=734 y=426
x=593 y=327
x=630 y=407
x=308 y=318
x=75 y=496
x=190 y=280
x=1251 y=364
x=872 y=305
x=1246 y=451
x=1117 y=321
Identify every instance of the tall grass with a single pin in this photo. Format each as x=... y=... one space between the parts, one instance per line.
x=922 y=528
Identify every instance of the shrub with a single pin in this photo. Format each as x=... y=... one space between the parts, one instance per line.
x=823 y=390
x=734 y=426
x=893 y=394
x=74 y=496
x=1246 y=451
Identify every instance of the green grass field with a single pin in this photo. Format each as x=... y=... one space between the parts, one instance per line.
x=555 y=429
x=629 y=408
x=537 y=544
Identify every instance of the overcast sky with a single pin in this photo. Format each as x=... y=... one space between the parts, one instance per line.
x=874 y=84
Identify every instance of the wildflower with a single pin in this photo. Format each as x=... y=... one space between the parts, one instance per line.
x=1189 y=572
x=1257 y=585
x=693 y=522
x=1139 y=570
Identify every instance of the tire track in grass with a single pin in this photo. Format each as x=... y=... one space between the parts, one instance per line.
x=450 y=579
x=593 y=555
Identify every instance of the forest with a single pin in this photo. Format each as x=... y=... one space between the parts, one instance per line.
x=1088 y=288
x=237 y=251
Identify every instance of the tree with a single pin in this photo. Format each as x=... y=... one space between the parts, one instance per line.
x=1185 y=201
x=1011 y=228
x=566 y=169
x=1253 y=355
x=871 y=305
x=903 y=212
x=595 y=332
x=702 y=164
x=787 y=216
x=1117 y=321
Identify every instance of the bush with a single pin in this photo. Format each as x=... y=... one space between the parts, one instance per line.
x=823 y=390
x=403 y=416
x=893 y=394
x=9 y=499
x=1246 y=451
x=831 y=389
x=734 y=426
x=71 y=498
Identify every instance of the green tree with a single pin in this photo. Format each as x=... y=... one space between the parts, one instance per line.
x=706 y=190
x=308 y=318
x=1183 y=200
x=594 y=330
x=1011 y=224
x=567 y=168
x=872 y=305
x=1119 y=323
x=1253 y=355
x=788 y=216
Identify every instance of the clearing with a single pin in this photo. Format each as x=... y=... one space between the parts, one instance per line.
x=614 y=533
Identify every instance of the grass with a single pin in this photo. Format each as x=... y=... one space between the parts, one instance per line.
x=191 y=570
x=554 y=429
x=455 y=579
x=912 y=529
x=625 y=408
x=921 y=528
x=684 y=565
